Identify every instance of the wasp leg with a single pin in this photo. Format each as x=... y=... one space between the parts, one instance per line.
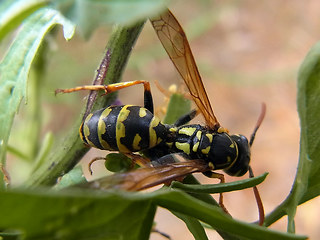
x=138 y=159
x=148 y=102
x=186 y=118
x=92 y=161
x=258 y=199
x=166 y=159
x=220 y=176
x=161 y=233
x=6 y=175
x=164 y=91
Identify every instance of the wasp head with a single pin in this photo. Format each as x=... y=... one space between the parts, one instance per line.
x=241 y=164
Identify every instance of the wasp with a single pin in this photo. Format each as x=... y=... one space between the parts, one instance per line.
x=129 y=129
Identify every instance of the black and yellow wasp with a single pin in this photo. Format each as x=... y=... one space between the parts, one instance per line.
x=128 y=129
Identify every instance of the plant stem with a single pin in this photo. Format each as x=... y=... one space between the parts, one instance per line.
x=71 y=150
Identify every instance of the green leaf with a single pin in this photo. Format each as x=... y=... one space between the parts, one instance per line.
x=87 y=214
x=178 y=106
x=194 y=226
x=16 y=64
x=75 y=176
x=221 y=187
x=309 y=112
x=118 y=162
x=88 y=14
x=13 y=12
x=307 y=181
x=77 y=215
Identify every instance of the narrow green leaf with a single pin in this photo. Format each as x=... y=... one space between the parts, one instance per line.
x=10 y=235
x=16 y=152
x=214 y=216
x=46 y=146
x=177 y=107
x=222 y=187
x=16 y=64
x=194 y=226
x=13 y=12
x=75 y=176
x=88 y=15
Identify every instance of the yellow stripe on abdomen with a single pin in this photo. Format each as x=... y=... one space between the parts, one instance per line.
x=121 y=128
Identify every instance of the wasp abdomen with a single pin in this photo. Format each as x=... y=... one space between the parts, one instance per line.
x=122 y=128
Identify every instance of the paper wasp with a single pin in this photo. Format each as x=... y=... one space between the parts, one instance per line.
x=130 y=129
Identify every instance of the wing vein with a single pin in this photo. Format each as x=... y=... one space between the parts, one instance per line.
x=175 y=42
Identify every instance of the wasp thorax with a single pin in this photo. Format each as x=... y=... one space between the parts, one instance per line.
x=241 y=165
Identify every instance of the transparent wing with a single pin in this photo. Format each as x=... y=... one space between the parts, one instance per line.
x=177 y=46
x=147 y=177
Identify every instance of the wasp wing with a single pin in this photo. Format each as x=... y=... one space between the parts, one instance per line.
x=147 y=177
x=176 y=44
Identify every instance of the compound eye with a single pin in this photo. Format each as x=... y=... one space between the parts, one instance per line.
x=241 y=165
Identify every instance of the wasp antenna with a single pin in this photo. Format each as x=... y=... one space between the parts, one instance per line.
x=260 y=119
x=251 y=175
x=258 y=199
